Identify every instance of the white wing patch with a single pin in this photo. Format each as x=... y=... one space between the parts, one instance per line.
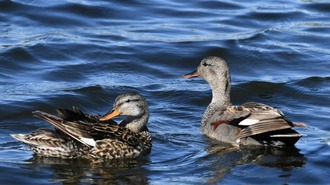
x=88 y=141
x=248 y=121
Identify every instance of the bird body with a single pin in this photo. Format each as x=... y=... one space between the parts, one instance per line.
x=247 y=124
x=80 y=135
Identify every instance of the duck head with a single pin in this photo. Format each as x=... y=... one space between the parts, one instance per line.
x=132 y=105
x=215 y=71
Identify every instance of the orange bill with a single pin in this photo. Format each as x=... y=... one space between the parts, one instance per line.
x=193 y=74
x=113 y=113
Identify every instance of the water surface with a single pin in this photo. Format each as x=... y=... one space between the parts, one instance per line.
x=85 y=53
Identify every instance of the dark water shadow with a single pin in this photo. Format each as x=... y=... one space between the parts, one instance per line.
x=81 y=171
x=226 y=158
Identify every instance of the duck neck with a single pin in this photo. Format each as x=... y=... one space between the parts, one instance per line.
x=220 y=98
x=136 y=124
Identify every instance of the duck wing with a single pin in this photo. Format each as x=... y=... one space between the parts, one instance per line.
x=77 y=115
x=231 y=115
x=264 y=126
x=263 y=119
x=89 y=133
x=78 y=130
x=253 y=118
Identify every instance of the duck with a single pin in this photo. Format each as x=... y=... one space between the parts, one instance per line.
x=251 y=123
x=94 y=137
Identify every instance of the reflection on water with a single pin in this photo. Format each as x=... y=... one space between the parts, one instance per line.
x=226 y=158
x=79 y=171
x=219 y=163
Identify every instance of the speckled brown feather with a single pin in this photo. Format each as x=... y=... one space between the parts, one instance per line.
x=112 y=141
x=42 y=137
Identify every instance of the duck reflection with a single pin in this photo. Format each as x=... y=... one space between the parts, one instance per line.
x=227 y=157
x=80 y=171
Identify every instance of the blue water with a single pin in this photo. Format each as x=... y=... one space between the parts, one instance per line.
x=85 y=53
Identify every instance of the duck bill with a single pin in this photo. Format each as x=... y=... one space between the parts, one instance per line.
x=113 y=113
x=193 y=74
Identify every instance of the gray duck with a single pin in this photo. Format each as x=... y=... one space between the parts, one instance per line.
x=247 y=124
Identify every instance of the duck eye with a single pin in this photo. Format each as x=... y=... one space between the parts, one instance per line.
x=206 y=64
x=128 y=100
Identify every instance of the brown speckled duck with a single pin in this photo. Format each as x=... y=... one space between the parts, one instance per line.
x=247 y=124
x=80 y=135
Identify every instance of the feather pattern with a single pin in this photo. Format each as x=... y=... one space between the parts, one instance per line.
x=82 y=135
x=248 y=124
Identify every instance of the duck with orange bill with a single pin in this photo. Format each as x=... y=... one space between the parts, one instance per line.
x=94 y=137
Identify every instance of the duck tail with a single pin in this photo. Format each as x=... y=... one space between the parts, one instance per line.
x=303 y=125
x=20 y=137
x=289 y=138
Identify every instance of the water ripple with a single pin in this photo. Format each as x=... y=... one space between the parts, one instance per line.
x=85 y=53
